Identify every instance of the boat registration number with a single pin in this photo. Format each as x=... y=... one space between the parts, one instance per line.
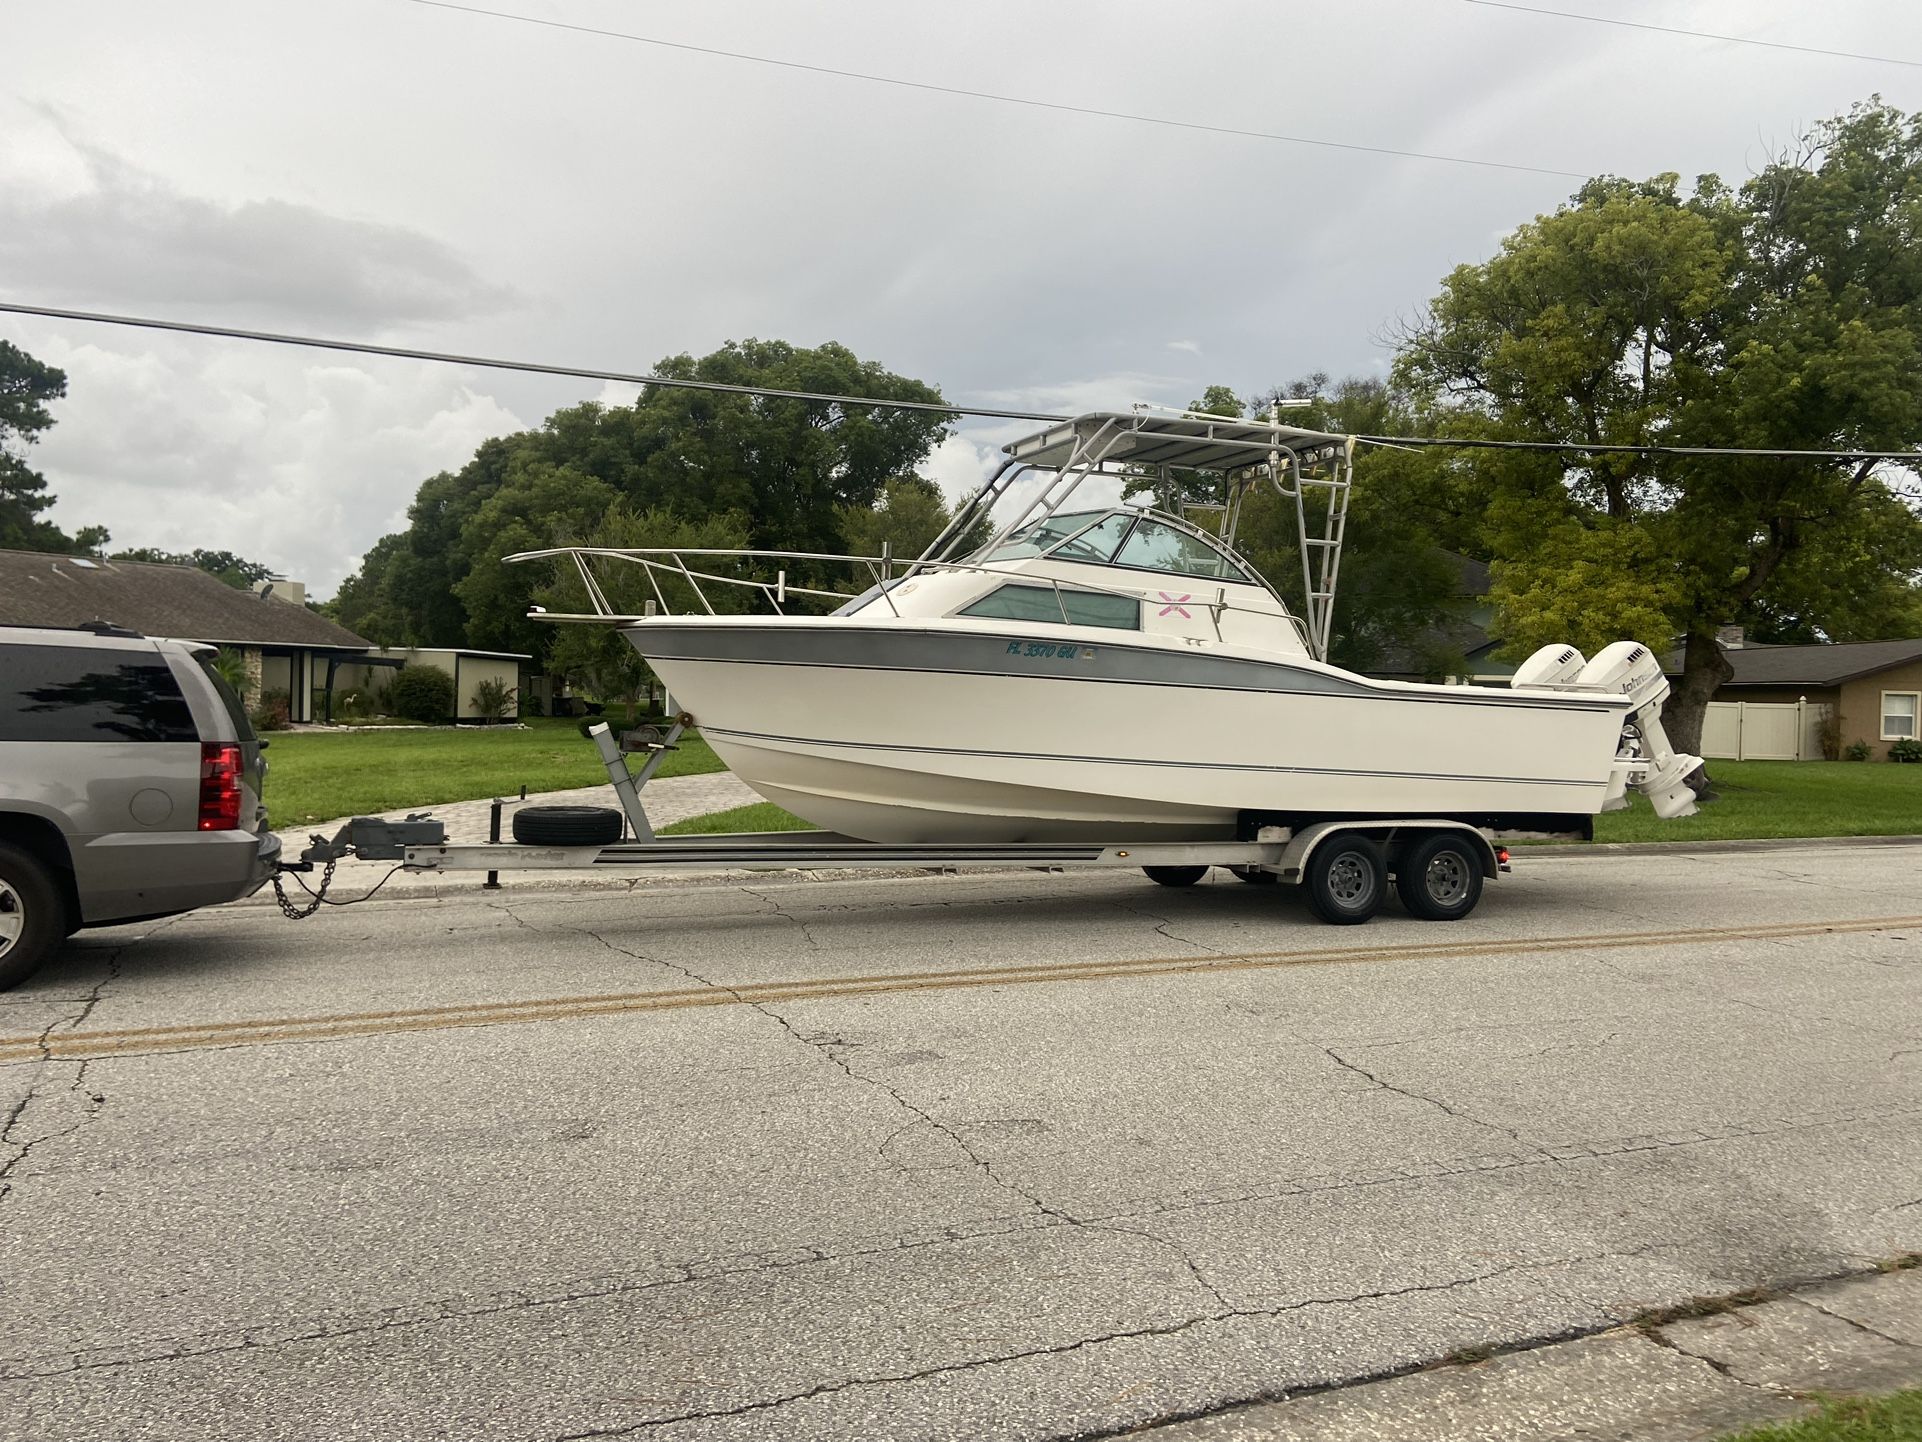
x=1050 y=651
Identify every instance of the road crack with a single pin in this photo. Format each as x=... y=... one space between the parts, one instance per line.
x=1439 y=1105
x=92 y=1103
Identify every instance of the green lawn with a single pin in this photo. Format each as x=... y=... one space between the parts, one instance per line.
x=319 y=775
x=1895 y=1418
x=761 y=816
x=1786 y=798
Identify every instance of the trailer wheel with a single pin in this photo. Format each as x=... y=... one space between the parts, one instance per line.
x=1175 y=875
x=567 y=825
x=1439 y=878
x=1255 y=875
x=1346 y=879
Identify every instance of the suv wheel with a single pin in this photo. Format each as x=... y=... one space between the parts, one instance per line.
x=33 y=915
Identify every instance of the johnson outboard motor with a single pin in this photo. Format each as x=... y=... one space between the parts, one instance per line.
x=1627 y=668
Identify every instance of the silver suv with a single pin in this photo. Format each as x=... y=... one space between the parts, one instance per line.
x=129 y=787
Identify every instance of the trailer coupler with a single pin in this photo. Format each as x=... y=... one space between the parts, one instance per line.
x=371 y=838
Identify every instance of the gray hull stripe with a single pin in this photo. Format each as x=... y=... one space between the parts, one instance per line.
x=1152 y=762
x=937 y=652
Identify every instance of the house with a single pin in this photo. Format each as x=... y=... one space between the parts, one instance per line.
x=1873 y=687
x=283 y=645
x=469 y=669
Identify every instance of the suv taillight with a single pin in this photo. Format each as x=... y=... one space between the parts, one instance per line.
x=219 y=786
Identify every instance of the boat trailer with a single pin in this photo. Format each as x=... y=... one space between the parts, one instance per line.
x=1345 y=864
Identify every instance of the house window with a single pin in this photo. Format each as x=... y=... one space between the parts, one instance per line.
x=1044 y=603
x=1898 y=714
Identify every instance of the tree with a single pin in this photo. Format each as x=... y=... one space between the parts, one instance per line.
x=237 y=571
x=791 y=470
x=600 y=656
x=904 y=522
x=1787 y=314
x=26 y=385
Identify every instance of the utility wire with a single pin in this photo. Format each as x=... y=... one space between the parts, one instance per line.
x=676 y=383
x=1027 y=100
x=1586 y=448
x=1694 y=34
x=531 y=367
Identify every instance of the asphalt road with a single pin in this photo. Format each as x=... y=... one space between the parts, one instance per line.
x=1029 y=1156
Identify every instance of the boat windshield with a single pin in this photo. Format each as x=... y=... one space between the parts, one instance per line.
x=1033 y=540
x=1123 y=538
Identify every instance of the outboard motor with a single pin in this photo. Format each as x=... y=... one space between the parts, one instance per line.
x=1632 y=670
x=1629 y=669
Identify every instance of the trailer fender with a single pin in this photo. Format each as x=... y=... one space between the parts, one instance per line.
x=1294 y=856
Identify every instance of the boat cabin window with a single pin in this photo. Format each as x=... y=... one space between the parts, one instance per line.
x=1155 y=547
x=1044 y=603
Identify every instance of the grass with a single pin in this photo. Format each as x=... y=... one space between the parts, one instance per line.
x=1786 y=798
x=761 y=816
x=320 y=775
x=1895 y=1418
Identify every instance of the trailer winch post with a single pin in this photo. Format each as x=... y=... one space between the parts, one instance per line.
x=626 y=787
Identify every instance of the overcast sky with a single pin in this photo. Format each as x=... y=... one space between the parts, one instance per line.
x=388 y=171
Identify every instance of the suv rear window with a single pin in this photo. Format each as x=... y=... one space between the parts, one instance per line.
x=74 y=693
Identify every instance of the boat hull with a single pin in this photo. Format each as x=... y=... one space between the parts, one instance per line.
x=919 y=733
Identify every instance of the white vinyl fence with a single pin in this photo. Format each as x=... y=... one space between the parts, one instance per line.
x=1763 y=731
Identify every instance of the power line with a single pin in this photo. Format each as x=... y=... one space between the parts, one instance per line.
x=531 y=367
x=1587 y=448
x=1029 y=101
x=677 y=383
x=1693 y=34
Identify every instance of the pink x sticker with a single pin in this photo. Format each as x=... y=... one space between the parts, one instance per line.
x=1174 y=606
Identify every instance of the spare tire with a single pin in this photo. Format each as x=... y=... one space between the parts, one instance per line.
x=567 y=825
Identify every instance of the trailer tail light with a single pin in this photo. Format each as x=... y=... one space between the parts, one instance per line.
x=219 y=786
x=1501 y=858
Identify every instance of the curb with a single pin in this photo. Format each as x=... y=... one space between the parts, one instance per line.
x=1705 y=1368
x=1709 y=848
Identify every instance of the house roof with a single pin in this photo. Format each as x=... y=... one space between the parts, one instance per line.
x=41 y=589
x=1829 y=665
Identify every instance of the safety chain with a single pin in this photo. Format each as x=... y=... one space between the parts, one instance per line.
x=298 y=913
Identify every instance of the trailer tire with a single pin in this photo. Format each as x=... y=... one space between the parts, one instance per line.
x=567 y=825
x=1346 y=879
x=1439 y=878
x=1175 y=875
x=33 y=915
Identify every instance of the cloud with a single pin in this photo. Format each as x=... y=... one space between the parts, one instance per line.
x=123 y=236
x=295 y=462
x=1193 y=347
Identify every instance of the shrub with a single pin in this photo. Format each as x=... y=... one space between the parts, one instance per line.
x=1828 y=733
x=494 y=699
x=1909 y=750
x=275 y=711
x=422 y=693
x=1856 y=751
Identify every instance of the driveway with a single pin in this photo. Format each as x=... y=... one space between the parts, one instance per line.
x=1026 y=1156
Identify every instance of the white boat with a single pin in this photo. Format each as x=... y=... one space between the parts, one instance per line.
x=1119 y=672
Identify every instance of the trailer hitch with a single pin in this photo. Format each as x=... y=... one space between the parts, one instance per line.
x=371 y=838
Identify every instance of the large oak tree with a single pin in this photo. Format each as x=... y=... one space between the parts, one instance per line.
x=1786 y=313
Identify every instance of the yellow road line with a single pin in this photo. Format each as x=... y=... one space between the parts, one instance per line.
x=267 y=1031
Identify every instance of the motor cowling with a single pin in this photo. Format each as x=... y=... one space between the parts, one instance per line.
x=1552 y=666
